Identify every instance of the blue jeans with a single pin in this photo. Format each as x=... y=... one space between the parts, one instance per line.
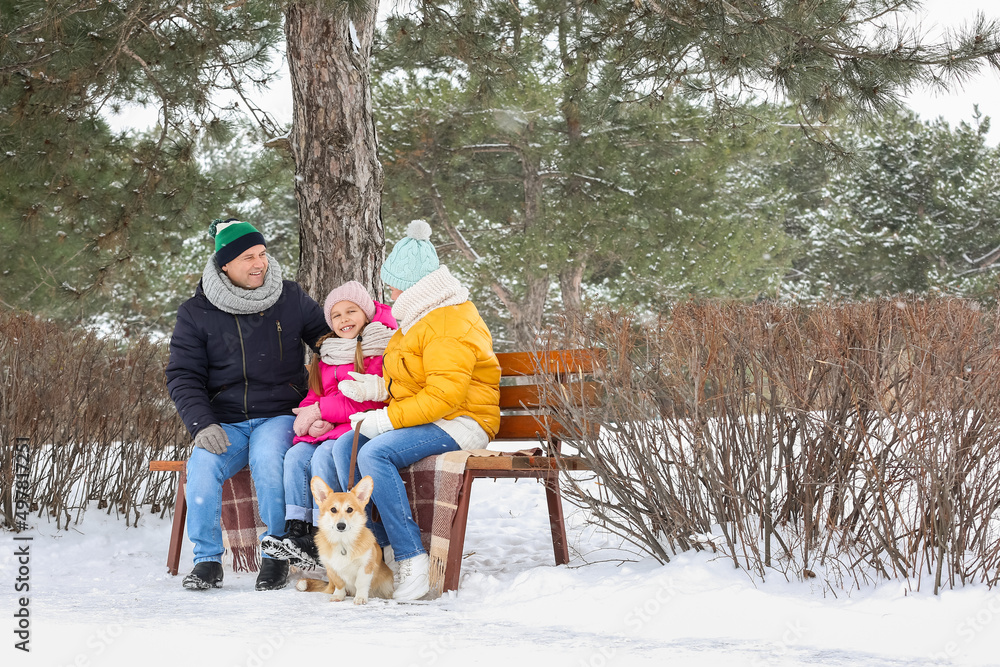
x=297 y=475
x=381 y=458
x=323 y=465
x=302 y=462
x=262 y=444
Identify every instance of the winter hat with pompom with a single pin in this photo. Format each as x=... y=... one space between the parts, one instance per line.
x=412 y=258
x=354 y=292
x=233 y=238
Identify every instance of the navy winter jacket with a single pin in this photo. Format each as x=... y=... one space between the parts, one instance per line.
x=227 y=368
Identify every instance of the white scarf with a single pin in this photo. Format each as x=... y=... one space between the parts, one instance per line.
x=374 y=337
x=435 y=290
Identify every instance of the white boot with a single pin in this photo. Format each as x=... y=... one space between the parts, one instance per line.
x=413 y=579
x=389 y=558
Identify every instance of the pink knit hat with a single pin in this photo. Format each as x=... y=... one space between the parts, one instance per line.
x=354 y=292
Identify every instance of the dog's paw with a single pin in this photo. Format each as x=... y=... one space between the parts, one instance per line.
x=302 y=585
x=338 y=595
x=360 y=599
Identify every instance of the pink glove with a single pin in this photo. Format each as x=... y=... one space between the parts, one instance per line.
x=319 y=427
x=304 y=418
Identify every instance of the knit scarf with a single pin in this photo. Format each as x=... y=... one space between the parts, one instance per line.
x=435 y=290
x=336 y=351
x=229 y=298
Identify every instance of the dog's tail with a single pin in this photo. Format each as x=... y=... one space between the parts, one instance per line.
x=313 y=585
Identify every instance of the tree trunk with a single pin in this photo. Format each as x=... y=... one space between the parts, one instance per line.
x=570 y=280
x=576 y=71
x=529 y=313
x=338 y=177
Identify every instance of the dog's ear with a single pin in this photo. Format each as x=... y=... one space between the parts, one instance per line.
x=320 y=489
x=363 y=489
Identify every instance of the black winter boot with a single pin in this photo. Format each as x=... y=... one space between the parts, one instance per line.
x=296 y=546
x=272 y=544
x=205 y=575
x=302 y=546
x=273 y=574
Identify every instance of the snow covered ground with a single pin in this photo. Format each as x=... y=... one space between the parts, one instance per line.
x=100 y=595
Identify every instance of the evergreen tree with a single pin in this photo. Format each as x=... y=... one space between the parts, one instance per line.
x=59 y=261
x=917 y=210
x=544 y=183
x=64 y=63
x=88 y=213
x=641 y=213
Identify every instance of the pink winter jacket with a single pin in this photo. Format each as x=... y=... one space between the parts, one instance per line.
x=333 y=405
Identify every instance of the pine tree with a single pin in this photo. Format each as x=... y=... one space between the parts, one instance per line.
x=59 y=262
x=338 y=176
x=91 y=213
x=64 y=63
x=917 y=210
x=548 y=188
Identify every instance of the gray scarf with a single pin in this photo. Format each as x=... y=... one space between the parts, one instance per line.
x=234 y=300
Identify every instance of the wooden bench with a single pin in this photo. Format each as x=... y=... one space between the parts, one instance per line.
x=525 y=417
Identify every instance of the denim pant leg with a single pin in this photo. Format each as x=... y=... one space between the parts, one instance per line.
x=381 y=458
x=206 y=473
x=323 y=466
x=342 y=459
x=269 y=440
x=297 y=475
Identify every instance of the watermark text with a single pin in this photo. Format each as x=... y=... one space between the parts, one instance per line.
x=22 y=549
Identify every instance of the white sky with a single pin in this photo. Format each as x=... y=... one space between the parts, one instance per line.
x=937 y=16
x=984 y=90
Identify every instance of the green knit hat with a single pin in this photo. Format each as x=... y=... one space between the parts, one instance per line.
x=233 y=238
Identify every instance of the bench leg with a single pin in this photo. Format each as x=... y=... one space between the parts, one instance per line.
x=560 y=545
x=177 y=531
x=456 y=540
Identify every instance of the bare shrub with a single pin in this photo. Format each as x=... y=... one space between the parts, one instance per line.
x=857 y=440
x=94 y=411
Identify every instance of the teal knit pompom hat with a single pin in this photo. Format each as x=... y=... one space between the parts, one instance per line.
x=412 y=258
x=233 y=238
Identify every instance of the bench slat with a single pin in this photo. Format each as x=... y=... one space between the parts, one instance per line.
x=527 y=427
x=172 y=466
x=530 y=396
x=519 y=462
x=556 y=361
x=500 y=462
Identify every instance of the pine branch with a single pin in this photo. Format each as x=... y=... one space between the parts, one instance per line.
x=464 y=247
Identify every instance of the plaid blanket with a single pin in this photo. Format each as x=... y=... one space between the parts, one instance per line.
x=241 y=522
x=433 y=485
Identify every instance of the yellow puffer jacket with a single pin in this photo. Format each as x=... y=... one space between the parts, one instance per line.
x=443 y=367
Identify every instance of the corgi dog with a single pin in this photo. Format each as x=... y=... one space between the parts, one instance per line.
x=347 y=548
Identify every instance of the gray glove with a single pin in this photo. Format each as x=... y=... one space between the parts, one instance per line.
x=212 y=439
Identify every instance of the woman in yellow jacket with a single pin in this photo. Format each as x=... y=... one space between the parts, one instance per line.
x=442 y=383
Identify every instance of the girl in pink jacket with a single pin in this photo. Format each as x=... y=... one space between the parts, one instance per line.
x=360 y=328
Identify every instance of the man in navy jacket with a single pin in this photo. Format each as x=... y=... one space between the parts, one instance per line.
x=236 y=370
